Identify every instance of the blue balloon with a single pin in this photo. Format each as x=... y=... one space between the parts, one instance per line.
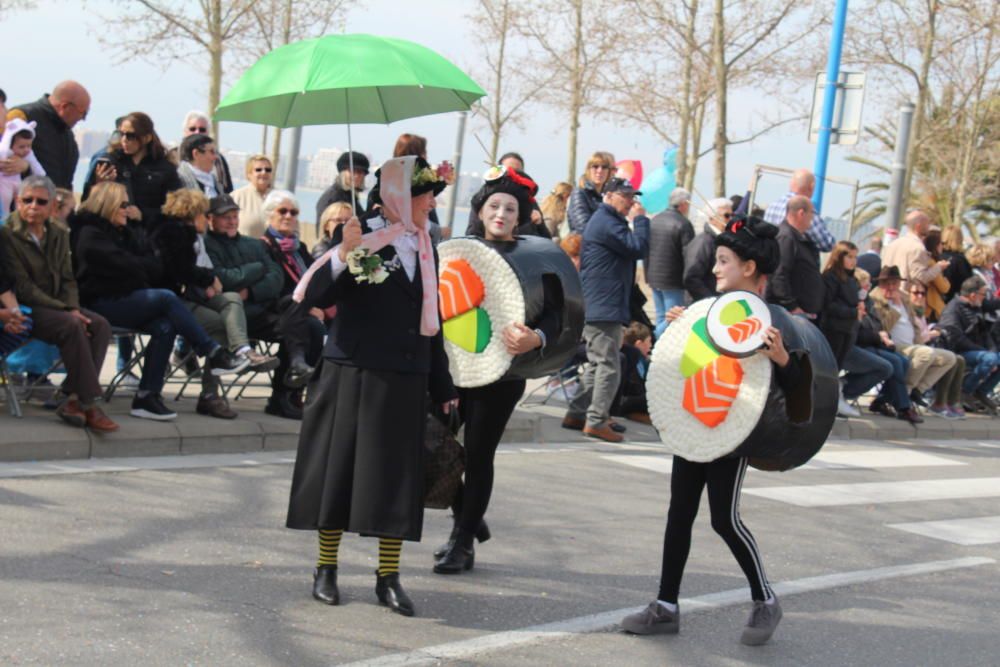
x=656 y=187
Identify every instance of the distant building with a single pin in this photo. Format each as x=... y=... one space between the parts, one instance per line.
x=90 y=141
x=323 y=168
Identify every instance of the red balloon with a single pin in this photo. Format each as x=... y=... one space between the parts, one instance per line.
x=632 y=170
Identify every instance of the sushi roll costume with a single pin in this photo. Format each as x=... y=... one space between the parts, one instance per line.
x=735 y=382
x=512 y=308
x=359 y=466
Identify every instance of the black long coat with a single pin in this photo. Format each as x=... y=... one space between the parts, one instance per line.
x=360 y=458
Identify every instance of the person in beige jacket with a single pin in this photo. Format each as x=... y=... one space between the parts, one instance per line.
x=909 y=254
x=893 y=307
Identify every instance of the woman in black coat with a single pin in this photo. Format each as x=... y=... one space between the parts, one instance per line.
x=139 y=162
x=839 y=320
x=587 y=197
x=503 y=206
x=359 y=464
x=119 y=279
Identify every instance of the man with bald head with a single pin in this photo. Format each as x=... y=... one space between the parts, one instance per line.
x=55 y=114
x=802 y=184
x=910 y=256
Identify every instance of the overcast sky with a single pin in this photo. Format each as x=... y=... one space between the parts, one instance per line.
x=56 y=41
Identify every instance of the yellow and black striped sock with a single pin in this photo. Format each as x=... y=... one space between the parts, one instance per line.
x=389 y=551
x=329 y=545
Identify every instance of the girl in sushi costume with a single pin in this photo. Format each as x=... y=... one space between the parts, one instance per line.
x=504 y=205
x=745 y=253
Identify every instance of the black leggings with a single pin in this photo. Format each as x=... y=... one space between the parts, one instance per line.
x=724 y=478
x=486 y=411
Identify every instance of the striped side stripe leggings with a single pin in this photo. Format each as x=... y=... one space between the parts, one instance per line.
x=724 y=479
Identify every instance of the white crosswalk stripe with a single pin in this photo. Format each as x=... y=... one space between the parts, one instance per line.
x=967 y=532
x=941 y=524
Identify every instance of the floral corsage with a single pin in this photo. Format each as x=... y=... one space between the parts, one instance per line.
x=367 y=267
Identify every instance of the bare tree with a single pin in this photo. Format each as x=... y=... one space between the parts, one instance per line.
x=166 y=32
x=571 y=40
x=946 y=56
x=274 y=23
x=494 y=25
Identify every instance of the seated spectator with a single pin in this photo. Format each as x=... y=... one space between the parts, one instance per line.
x=180 y=245
x=927 y=364
x=699 y=254
x=840 y=304
x=958 y=269
x=250 y=198
x=15 y=324
x=967 y=332
x=938 y=287
x=863 y=369
x=244 y=265
x=981 y=258
x=197 y=167
x=38 y=259
x=948 y=390
x=336 y=214
x=303 y=341
x=140 y=164
x=894 y=398
x=118 y=279
x=630 y=402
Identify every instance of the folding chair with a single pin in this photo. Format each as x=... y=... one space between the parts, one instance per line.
x=556 y=382
x=247 y=379
x=137 y=340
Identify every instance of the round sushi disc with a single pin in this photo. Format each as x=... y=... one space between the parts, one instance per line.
x=703 y=403
x=501 y=305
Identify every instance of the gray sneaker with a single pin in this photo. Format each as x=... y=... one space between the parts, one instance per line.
x=653 y=620
x=763 y=621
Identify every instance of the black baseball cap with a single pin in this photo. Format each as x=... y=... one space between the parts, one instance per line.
x=622 y=185
x=360 y=161
x=222 y=204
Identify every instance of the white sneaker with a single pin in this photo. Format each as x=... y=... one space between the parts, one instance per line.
x=845 y=409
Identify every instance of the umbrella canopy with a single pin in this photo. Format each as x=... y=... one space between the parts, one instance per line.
x=340 y=79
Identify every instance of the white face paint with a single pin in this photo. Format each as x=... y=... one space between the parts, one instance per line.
x=499 y=216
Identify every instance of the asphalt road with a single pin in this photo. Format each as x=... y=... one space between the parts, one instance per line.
x=162 y=564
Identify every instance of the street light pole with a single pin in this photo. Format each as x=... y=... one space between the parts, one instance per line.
x=292 y=172
x=457 y=164
x=894 y=206
x=829 y=101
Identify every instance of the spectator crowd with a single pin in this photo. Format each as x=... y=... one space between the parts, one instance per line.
x=160 y=246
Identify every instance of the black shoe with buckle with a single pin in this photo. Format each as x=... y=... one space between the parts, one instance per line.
x=298 y=374
x=390 y=593
x=482 y=535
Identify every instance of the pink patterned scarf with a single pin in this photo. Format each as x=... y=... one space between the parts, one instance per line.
x=394 y=188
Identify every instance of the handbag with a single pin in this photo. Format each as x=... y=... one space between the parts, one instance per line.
x=444 y=461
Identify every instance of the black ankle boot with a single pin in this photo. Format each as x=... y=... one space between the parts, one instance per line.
x=325 y=584
x=390 y=593
x=298 y=373
x=482 y=535
x=458 y=559
x=280 y=404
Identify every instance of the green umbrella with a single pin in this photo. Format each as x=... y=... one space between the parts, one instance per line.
x=340 y=79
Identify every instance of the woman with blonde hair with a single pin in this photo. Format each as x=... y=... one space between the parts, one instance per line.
x=118 y=279
x=587 y=196
x=334 y=215
x=981 y=257
x=554 y=208
x=250 y=198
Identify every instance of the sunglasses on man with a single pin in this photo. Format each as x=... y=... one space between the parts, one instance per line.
x=28 y=201
x=198 y=130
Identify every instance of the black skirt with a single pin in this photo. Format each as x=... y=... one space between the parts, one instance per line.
x=360 y=460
